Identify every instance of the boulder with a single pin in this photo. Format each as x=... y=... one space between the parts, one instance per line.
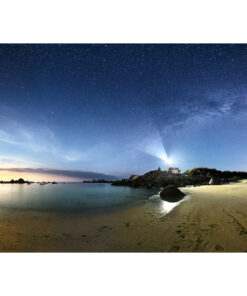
x=171 y=193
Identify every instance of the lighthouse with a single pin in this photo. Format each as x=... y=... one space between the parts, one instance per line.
x=170 y=170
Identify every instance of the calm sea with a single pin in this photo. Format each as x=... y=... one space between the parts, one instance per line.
x=74 y=197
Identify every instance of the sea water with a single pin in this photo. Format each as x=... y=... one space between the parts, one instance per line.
x=73 y=197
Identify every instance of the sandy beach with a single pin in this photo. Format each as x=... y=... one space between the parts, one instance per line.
x=211 y=219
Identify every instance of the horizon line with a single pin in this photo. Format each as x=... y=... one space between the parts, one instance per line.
x=79 y=174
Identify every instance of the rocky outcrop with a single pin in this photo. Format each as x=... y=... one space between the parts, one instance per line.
x=195 y=177
x=226 y=175
x=234 y=179
x=221 y=181
x=123 y=182
x=161 y=178
x=172 y=194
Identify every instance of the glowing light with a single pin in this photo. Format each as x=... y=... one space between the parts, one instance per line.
x=166 y=207
x=167 y=160
x=153 y=145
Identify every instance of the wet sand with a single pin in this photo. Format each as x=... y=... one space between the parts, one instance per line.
x=212 y=219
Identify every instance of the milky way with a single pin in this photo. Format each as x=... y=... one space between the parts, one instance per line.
x=99 y=108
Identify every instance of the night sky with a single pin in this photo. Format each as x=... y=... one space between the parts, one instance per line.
x=117 y=109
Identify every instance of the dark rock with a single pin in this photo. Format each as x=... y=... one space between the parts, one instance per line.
x=215 y=173
x=194 y=177
x=234 y=179
x=21 y=181
x=123 y=182
x=171 y=193
x=148 y=186
x=161 y=178
x=224 y=181
x=103 y=181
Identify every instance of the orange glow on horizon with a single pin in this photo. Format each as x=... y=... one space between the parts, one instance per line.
x=8 y=175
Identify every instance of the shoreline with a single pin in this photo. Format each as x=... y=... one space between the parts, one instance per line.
x=212 y=219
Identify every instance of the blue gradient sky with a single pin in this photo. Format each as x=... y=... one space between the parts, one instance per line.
x=115 y=109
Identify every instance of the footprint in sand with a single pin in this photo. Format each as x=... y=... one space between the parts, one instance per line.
x=127 y=224
x=213 y=225
x=106 y=227
x=65 y=234
x=219 y=248
x=174 y=249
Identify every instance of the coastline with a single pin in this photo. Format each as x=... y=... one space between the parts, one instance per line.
x=212 y=219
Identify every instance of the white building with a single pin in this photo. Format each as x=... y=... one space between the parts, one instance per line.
x=173 y=170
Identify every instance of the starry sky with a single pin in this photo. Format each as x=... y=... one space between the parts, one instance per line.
x=75 y=111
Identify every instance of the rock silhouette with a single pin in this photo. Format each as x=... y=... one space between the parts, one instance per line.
x=193 y=177
x=171 y=193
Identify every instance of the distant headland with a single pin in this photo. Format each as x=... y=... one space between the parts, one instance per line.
x=97 y=181
x=19 y=181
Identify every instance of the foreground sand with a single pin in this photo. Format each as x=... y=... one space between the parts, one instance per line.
x=213 y=218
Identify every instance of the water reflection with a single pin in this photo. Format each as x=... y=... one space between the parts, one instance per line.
x=68 y=197
x=165 y=207
x=172 y=199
